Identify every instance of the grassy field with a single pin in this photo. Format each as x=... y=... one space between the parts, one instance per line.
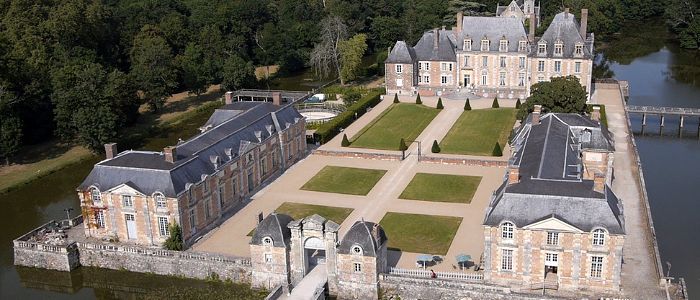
x=299 y=210
x=477 y=131
x=441 y=188
x=344 y=180
x=420 y=233
x=403 y=120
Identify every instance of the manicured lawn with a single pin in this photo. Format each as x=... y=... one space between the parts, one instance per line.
x=344 y=180
x=477 y=131
x=402 y=120
x=299 y=210
x=441 y=188
x=420 y=233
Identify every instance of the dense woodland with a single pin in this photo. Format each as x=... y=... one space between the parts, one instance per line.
x=78 y=70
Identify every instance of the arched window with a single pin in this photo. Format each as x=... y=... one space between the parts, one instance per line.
x=160 y=200
x=95 y=195
x=598 y=237
x=507 y=230
x=267 y=241
x=357 y=250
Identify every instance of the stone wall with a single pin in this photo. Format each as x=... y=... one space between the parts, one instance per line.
x=61 y=258
x=358 y=154
x=463 y=161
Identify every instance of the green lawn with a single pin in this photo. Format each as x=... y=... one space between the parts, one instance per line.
x=420 y=233
x=298 y=211
x=441 y=188
x=477 y=131
x=402 y=120
x=344 y=180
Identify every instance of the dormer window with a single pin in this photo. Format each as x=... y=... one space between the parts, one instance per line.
x=95 y=195
x=507 y=230
x=267 y=241
x=599 y=237
x=160 y=200
x=468 y=45
x=484 y=45
x=503 y=46
x=578 y=50
x=541 y=49
x=357 y=250
x=558 y=49
x=522 y=46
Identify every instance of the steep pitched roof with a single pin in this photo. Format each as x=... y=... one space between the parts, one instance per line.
x=275 y=227
x=445 y=51
x=368 y=235
x=401 y=53
x=494 y=29
x=565 y=28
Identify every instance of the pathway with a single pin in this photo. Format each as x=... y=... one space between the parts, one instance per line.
x=640 y=278
x=307 y=287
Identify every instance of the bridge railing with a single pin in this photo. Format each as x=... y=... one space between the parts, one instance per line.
x=663 y=110
x=472 y=277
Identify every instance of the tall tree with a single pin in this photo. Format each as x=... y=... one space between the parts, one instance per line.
x=561 y=95
x=152 y=66
x=351 y=52
x=238 y=74
x=198 y=71
x=10 y=126
x=325 y=58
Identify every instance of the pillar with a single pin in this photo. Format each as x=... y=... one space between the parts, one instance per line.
x=662 y=120
x=644 y=119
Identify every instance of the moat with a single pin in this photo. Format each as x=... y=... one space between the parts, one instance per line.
x=663 y=76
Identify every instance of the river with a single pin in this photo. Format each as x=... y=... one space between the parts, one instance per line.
x=659 y=74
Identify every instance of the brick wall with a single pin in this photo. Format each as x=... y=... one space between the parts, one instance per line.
x=407 y=77
x=267 y=275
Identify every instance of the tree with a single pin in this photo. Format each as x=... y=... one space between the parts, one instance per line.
x=325 y=57
x=396 y=98
x=174 y=241
x=238 y=74
x=152 y=66
x=351 y=53
x=439 y=104
x=517 y=104
x=402 y=145
x=497 y=150
x=418 y=101
x=495 y=103
x=10 y=136
x=436 y=147
x=351 y=96
x=560 y=95
x=345 y=142
x=198 y=71
x=467 y=106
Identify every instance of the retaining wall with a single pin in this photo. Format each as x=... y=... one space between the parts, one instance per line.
x=419 y=288
x=463 y=161
x=358 y=154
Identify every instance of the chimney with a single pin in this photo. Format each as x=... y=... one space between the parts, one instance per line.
x=276 y=98
x=170 y=154
x=436 y=39
x=228 y=97
x=513 y=175
x=584 y=23
x=536 y=114
x=460 y=20
x=595 y=114
x=111 y=150
x=531 y=36
x=599 y=182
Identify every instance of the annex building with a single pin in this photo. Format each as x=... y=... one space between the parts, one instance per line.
x=133 y=196
x=492 y=56
x=555 y=221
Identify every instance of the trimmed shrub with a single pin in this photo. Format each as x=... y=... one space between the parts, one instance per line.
x=467 y=106
x=402 y=145
x=345 y=142
x=439 y=104
x=418 y=101
x=518 y=104
x=497 y=150
x=330 y=129
x=174 y=241
x=396 y=98
x=495 y=103
x=436 y=147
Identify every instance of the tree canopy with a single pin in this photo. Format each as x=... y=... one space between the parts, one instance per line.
x=560 y=94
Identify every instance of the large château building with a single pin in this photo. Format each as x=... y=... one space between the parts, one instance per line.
x=134 y=196
x=491 y=57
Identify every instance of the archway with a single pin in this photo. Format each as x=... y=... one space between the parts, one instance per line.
x=314 y=253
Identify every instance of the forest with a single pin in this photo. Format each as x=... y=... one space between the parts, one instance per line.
x=78 y=70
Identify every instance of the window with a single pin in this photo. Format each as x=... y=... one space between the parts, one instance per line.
x=445 y=67
x=357 y=250
x=467 y=80
x=205 y=186
x=426 y=79
x=100 y=219
x=577 y=67
x=163 y=226
x=578 y=50
x=357 y=267
x=596 y=266
x=268 y=258
x=160 y=201
x=540 y=78
x=193 y=219
x=502 y=79
x=399 y=68
x=207 y=208
x=95 y=195
x=420 y=79
x=598 y=235
x=127 y=201
x=521 y=79
x=443 y=79
x=466 y=61
x=267 y=241
x=484 y=61
x=220 y=195
x=263 y=166
x=467 y=45
x=399 y=82
x=427 y=66
x=484 y=45
x=522 y=46
x=558 y=49
x=521 y=62
x=551 y=257
x=189 y=193
x=506 y=260
x=503 y=46
x=484 y=79
x=552 y=238
x=540 y=66
x=234 y=186
x=542 y=49
x=502 y=61
x=507 y=230
x=557 y=66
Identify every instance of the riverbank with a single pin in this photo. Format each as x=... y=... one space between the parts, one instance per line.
x=44 y=159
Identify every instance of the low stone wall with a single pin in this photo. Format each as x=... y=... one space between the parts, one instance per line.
x=358 y=154
x=61 y=258
x=421 y=288
x=164 y=262
x=464 y=161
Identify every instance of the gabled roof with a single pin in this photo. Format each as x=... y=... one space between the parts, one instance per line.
x=564 y=28
x=368 y=235
x=426 y=51
x=494 y=29
x=401 y=53
x=275 y=227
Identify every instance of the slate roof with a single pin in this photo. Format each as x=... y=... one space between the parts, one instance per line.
x=149 y=172
x=564 y=28
x=275 y=227
x=368 y=235
x=494 y=29
x=425 y=48
x=547 y=156
x=401 y=53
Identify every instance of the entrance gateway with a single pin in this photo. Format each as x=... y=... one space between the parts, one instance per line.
x=315 y=252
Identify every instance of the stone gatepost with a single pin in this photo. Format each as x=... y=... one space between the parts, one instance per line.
x=312 y=233
x=331 y=238
x=296 y=253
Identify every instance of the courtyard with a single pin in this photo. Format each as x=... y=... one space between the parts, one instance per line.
x=387 y=130
x=477 y=131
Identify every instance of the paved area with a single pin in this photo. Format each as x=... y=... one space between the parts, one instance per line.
x=307 y=286
x=640 y=279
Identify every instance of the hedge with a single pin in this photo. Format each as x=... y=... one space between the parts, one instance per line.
x=330 y=129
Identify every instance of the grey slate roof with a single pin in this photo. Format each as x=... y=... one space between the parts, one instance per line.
x=547 y=156
x=564 y=28
x=494 y=29
x=425 y=48
x=149 y=172
x=275 y=227
x=368 y=235
x=401 y=53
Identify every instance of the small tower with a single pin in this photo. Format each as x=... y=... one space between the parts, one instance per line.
x=269 y=252
x=361 y=257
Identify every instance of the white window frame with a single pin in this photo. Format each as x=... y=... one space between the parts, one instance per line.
x=596 y=270
x=484 y=61
x=357 y=250
x=95 y=195
x=507 y=230
x=357 y=267
x=507 y=259
x=100 y=219
x=522 y=46
x=577 y=67
x=578 y=50
x=557 y=66
x=426 y=79
x=485 y=45
x=466 y=60
x=502 y=78
x=160 y=200
x=164 y=226
x=399 y=82
x=521 y=79
x=540 y=78
x=541 y=49
x=552 y=238
x=598 y=238
x=540 y=66
x=522 y=62
x=267 y=241
x=444 y=79
x=503 y=45
x=399 y=68
x=468 y=45
x=558 y=49
x=503 y=61
x=484 y=79
x=268 y=258
x=128 y=201
x=193 y=218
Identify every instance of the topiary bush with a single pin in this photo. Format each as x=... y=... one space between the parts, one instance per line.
x=518 y=104
x=439 y=104
x=345 y=142
x=495 y=103
x=497 y=150
x=174 y=241
x=467 y=106
x=418 y=101
x=402 y=145
x=396 y=98
x=436 y=147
